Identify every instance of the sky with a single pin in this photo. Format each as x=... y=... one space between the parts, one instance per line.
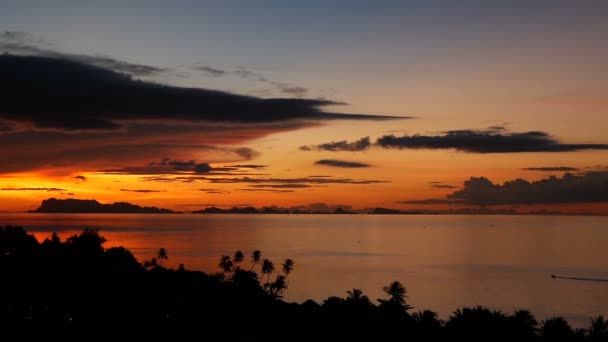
x=412 y=105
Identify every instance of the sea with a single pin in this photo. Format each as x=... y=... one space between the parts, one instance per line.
x=446 y=262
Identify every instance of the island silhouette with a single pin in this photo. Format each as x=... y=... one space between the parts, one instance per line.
x=54 y=205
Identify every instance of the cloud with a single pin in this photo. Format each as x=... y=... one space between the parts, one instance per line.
x=202 y=168
x=24 y=43
x=69 y=115
x=80 y=177
x=64 y=94
x=282 y=186
x=33 y=189
x=429 y=201
x=284 y=88
x=310 y=180
x=586 y=188
x=476 y=141
x=248 y=74
x=168 y=166
x=211 y=71
x=551 y=168
x=265 y=190
x=340 y=163
x=248 y=166
x=444 y=186
x=142 y=190
x=334 y=146
x=248 y=180
x=214 y=191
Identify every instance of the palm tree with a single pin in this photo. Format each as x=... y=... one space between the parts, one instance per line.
x=278 y=286
x=238 y=258
x=267 y=268
x=162 y=255
x=256 y=256
x=287 y=267
x=150 y=263
x=225 y=264
x=398 y=294
x=355 y=295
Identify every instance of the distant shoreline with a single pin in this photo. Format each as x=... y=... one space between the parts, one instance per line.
x=90 y=206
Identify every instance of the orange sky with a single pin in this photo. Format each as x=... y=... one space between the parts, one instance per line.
x=527 y=83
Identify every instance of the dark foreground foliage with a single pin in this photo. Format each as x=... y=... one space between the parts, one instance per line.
x=77 y=290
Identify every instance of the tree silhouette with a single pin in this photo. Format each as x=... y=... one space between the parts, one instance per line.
x=267 y=268
x=287 y=267
x=397 y=292
x=355 y=295
x=523 y=324
x=238 y=258
x=556 y=328
x=162 y=255
x=225 y=264
x=256 y=256
x=150 y=263
x=598 y=331
x=278 y=286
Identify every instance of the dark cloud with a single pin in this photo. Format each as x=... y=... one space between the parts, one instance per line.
x=23 y=43
x=444 y=186
x=169 y=166
x=429 y=201
x=284 y=88
x=142 y=190
x=340 y=163
x=214 y=191
x=291 y=180
x=69 y=95
x=80 y=177
x=552 y=168
x=586 y=188
x=485 y=142
x=248 y=166
x=248 y=74
x=33 y=189
x=75 y=116
x=265 y=190
x=359 y=145
x=178 y=165
x=282 y=186
x=249 y=180
x=202 y=168
x=211 y=71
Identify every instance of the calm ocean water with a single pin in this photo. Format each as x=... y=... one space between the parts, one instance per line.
x=445 y=262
